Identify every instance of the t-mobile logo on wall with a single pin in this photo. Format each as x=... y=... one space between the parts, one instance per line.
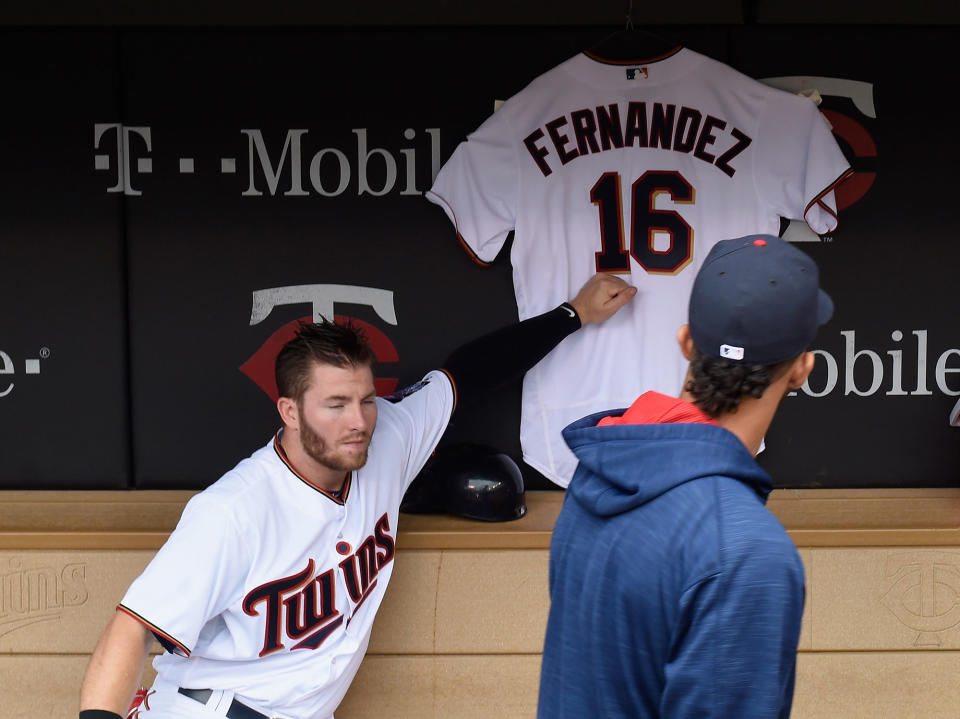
x=288 y=165
x=9 y=369
x=909 y=369
x=321 y=298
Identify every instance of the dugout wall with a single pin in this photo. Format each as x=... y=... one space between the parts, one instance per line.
x=175 y=199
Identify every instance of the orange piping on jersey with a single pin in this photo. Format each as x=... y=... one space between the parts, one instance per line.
x=278 y=448
x=453 y=386
x=473 y=255
x=644 y=61
x=154 y=629
x=818 y=200
x=456 y=227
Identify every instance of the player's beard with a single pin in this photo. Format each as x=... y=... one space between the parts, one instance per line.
x=316 y=448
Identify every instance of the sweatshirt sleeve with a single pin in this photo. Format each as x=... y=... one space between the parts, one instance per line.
x=735 y=650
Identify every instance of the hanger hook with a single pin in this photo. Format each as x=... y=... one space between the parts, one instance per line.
x=630 y=16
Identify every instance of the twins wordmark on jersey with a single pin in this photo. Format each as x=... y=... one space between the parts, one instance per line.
x=303 y=606
x=303 y=609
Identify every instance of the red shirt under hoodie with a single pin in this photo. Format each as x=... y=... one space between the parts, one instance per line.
x=656 y=408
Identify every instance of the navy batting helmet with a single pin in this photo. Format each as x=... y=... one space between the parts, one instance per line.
x=468 y=480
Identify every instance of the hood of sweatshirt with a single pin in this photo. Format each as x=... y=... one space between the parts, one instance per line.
x=624 y=464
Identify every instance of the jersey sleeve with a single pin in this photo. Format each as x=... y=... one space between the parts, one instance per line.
x=194 y=576
x=477 y=188
x=799 y=162
x=735 y=650
x=419 y=415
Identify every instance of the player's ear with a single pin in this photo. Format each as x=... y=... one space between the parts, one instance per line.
x=685 y=341
x=802 y=367
x=289 y=412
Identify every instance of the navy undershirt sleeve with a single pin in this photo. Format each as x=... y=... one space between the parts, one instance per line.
x=496 y=358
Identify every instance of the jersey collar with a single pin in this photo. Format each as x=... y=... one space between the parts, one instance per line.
x=281 y=453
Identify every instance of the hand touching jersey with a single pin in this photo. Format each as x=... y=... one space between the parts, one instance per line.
x=601 y=296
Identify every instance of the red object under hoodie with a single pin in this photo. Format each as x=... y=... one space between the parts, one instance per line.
x=656 y=408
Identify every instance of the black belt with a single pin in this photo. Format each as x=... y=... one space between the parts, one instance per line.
x=236 y=710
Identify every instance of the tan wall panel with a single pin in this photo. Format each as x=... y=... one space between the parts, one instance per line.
x=406 y=622
x=490 y=602
x=806 y=636
x=59 y=602
x=149 y=673
x=480 y=687
x=878 y=685
x=41 y=686
x=44 y=686
x=885 y=598
x=464 y=687
x=391 y=686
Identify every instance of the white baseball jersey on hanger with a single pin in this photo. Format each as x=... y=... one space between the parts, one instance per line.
x=637 y=169
x=268 y=586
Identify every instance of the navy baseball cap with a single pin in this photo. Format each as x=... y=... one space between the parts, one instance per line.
x=757 y=299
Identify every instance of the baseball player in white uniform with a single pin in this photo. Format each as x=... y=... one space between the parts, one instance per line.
x=636 y=168
x=265 y=593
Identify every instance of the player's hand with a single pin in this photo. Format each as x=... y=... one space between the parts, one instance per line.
x=601 y=297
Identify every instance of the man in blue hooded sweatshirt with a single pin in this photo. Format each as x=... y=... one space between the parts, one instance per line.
x=674 y=592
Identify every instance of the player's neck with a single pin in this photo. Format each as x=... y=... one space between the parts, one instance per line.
x=751 y=420
x=326 y=478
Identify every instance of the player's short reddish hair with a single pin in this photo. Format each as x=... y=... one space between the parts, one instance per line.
x=323 y=342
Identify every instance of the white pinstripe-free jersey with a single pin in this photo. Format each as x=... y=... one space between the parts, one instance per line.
x=269 y=585
x=637 y=169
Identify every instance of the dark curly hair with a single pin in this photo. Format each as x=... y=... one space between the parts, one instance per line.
x=718 y=385
x=323 y=342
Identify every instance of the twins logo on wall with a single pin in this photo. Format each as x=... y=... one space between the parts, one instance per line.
x=922 y=590
x=260 y=367
x=33 y=591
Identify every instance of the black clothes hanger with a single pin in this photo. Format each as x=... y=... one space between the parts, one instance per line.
x=631 y=44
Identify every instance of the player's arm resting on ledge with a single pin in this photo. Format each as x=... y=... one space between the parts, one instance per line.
x=507 y=353
x=115 y=668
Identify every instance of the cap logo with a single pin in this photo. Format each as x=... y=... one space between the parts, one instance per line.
x=730 y=352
